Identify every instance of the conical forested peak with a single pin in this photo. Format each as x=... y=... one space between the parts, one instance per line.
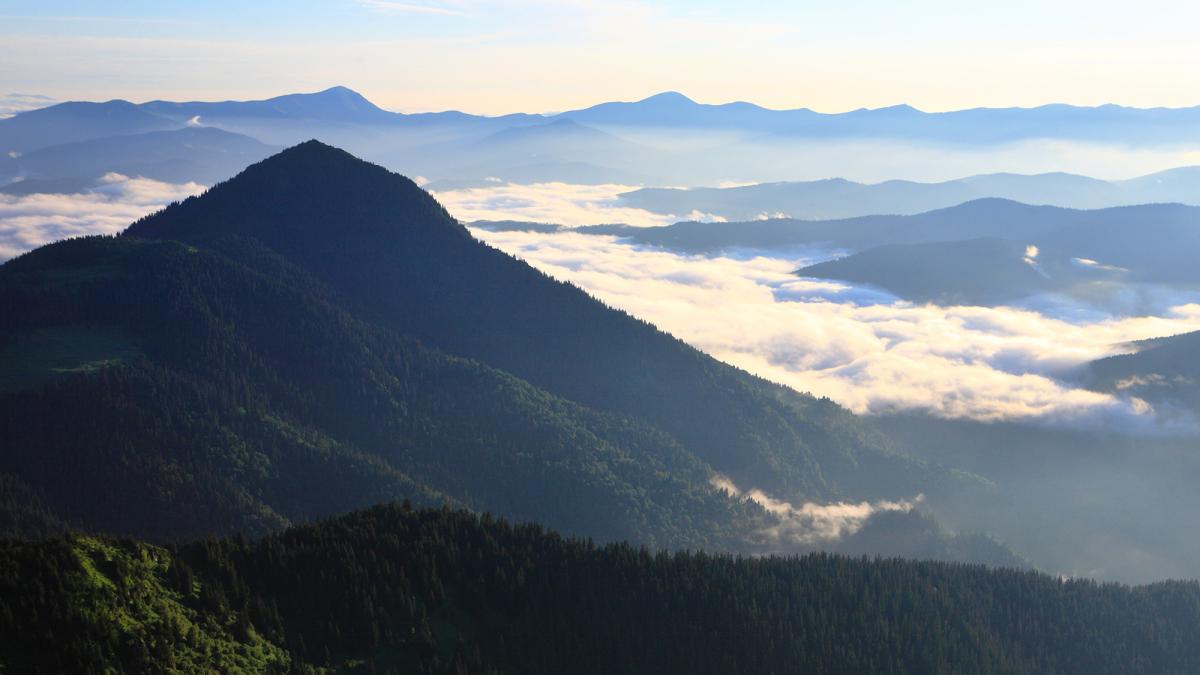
x=309 y=193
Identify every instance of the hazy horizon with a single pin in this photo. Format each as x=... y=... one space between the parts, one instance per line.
x=493 y=57
x=33 y=100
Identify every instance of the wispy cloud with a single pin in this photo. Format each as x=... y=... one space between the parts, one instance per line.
x=11 y=104
x=810 y=522
x=392 y=7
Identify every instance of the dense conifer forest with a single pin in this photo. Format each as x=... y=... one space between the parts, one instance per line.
x=396 y=589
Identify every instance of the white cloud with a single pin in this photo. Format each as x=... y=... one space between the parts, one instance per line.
x=812 y=523
x=391 y=7
x=29 y=221
x=11 y=104
x=862 y=348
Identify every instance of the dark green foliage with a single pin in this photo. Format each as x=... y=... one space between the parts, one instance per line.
x=393 y=589
x=258 y=403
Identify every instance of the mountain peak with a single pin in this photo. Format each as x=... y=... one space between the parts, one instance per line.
x=344 y=95
x=668 y=98
x=311 y=195
x=341 y=89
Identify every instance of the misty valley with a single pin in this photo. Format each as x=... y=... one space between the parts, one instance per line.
x=303 y=384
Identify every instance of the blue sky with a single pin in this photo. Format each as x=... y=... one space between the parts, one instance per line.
x=494 y=56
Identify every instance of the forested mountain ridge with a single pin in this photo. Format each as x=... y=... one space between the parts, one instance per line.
x=395 y=257
x=234 y=397
x=393 y=589
x=317 y=335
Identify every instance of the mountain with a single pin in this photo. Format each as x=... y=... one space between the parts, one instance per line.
x=975 y=271
x=401 y=260
x=974 y=252
x=1165 y=372
x=199 y=154
x=976 y=125
x=76 y=121
x=393 y=589
x=165 y=391
x=1093 y=252
x=673 y=109
x=336 y=104
x=1153 y=241
x=838 y=198
x=973 y=220
x=547 y=152
x=692 y=144
x=317 y=334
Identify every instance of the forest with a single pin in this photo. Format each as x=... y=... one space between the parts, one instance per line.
x=394 y=589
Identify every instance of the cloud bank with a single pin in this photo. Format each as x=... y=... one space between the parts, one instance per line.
x=860 y=347
x=29 y=221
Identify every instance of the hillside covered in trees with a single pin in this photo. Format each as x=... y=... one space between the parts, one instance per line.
x=393 y=589
x=317 y=335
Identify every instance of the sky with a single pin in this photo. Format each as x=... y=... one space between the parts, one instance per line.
x=493 y=56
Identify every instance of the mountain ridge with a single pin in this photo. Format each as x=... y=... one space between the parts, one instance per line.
x=317 y=318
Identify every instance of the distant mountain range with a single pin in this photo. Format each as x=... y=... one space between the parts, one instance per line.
x=618 y=141
x=838 y=198
x=191 y=154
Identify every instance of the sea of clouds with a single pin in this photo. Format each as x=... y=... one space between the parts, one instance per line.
x=861 y=347
x=29 y=221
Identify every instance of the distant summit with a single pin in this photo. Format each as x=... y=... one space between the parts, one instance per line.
x=336 y=104
x=668 y=98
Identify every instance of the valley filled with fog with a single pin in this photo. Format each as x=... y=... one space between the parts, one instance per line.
x=563 y=336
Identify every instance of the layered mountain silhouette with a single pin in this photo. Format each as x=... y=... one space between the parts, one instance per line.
x=199 y=154
x=839 y=198
x=317 y=334
x=76 y=121
x=693 y=143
